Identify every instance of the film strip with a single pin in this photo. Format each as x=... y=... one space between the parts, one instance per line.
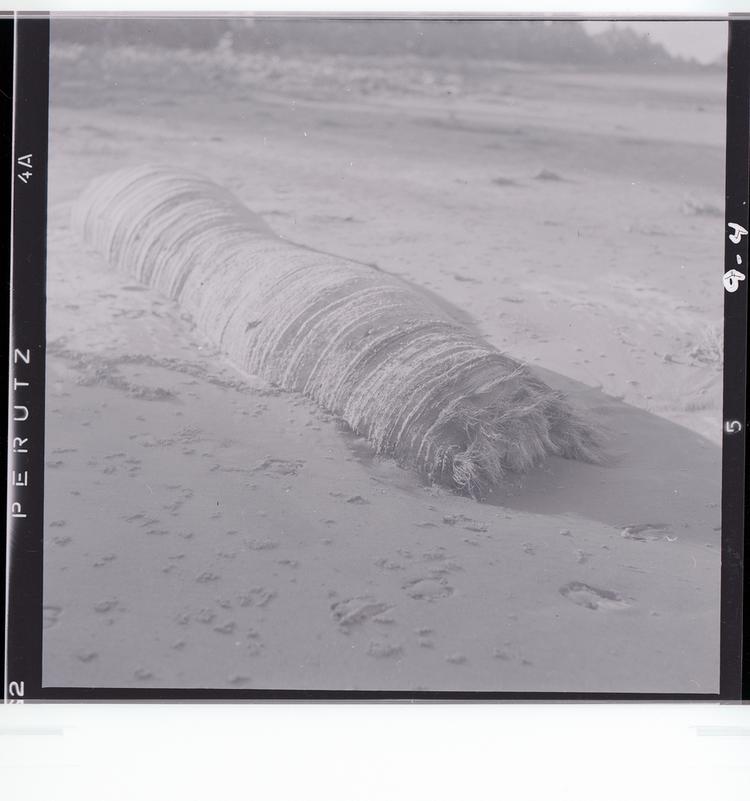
x=25 y=100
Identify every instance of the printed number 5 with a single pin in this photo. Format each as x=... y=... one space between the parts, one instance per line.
x=732 y=426
x=732 y=280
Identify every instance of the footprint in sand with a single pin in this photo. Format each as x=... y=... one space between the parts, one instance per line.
x=142 y=674
x=592 y=597
x=467 y=522
x=256 y=596
x=255 y=643
x=384 y=650
x=456 y=659
x=261 y=545
x=86 y=656
x=387 y=564
x=428 y=589
x=50 y=616
x=645 y=532
x=474 y=526
x=356 y=611
x=548 y=175
x=279 y=467
x=226 y=628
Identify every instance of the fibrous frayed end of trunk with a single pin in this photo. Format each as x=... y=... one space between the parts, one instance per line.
x=483 y=442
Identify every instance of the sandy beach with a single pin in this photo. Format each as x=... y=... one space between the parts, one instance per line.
x=205 y=529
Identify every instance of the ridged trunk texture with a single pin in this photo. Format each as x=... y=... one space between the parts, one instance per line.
x=418 y=385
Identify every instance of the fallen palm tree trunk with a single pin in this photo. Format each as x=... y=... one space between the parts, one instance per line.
x=419 y=386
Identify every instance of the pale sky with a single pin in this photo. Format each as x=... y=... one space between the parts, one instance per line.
x=703 y=41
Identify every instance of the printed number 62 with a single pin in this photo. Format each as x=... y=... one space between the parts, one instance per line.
x=732 y=426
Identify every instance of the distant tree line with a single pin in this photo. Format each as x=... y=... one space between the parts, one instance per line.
x=530 y=41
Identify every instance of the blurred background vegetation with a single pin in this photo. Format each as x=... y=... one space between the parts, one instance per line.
x=545 y=42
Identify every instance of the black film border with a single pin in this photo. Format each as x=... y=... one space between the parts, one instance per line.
x=28 y=162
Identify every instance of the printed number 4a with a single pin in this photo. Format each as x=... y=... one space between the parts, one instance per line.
x=25 y=161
